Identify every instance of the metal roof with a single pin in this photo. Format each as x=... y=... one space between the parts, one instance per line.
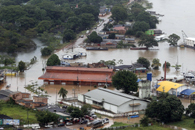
x=188 y=92
x=110 y=96
x=165 y=86
x=190 y=38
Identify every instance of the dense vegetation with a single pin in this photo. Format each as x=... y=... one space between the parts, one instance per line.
x=167 y=109
x=22 y=20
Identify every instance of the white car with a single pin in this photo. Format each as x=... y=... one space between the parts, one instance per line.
x=69 y=123
x=105 y=120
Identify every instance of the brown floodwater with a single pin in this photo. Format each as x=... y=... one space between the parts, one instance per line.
x=178 y=16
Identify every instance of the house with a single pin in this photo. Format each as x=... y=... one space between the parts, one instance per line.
x=76 y=75
x=24 y=99
x=120 y=30
x=129 y=40
x=5 y=94
x=138 y=68
x=121 y=37
x=103 y=36
x=157 y=32
x=102 y=12
x=110 y=44
x=113 y=101
x=123 y=67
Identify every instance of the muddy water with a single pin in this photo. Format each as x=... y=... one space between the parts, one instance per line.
x=178 y=16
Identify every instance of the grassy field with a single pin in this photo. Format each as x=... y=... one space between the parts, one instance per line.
x=186 y=122
x=18 y=112
x=119 y=124
x=154 y=127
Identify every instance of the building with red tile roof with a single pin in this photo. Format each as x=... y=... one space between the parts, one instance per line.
x=76 y=75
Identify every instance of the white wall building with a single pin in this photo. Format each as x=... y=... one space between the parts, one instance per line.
x=113 y=101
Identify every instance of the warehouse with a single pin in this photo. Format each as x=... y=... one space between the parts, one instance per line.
x=77 y=75
x=113 y=101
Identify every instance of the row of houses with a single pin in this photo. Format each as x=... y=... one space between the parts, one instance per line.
x=24 y=99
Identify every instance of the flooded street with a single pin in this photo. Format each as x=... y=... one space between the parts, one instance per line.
x=178 y=16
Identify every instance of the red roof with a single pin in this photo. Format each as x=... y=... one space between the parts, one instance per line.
x=119 y=28
x=77 y=74
x=53 y=68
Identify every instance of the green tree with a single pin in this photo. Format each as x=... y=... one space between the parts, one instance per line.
x=44 y=117
x=53 y=60
x=173 y=39
x=109 y=62
x=43 y=26
x=191 y=110
x=145 y=62
x=130 y=32
x=144 y=121
x=141 y=26
x=93 y=37
x=76 y=113
x=85 y=109
x=167 y=65
x=125 y=80
x=46 y=51
x=74 y=23
x=168 y=108
x=111 y=36
x=21 y=66
x=86 y=20
x=68 y=35
x=63 y=92
x=148 y=41
x=139 y=34
x=156 y=63
x=119 y=13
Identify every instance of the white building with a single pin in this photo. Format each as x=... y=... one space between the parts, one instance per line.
x=190 y=41
x=113 y=101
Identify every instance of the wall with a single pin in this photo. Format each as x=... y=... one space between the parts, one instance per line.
x=88 y=101
x=127 y=108
x=80 y=97
x=110 y=107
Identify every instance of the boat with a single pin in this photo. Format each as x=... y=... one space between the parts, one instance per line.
x=138 y=48
x=96 y=48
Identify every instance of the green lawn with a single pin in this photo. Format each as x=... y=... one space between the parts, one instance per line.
x=119 y=124
x=153 y=127
x=186 y=122
x=18 y=112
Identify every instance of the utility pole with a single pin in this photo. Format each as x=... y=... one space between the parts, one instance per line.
x=56 y=96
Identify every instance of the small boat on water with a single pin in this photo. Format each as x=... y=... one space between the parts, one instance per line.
x=138 y=48
x=96 y=48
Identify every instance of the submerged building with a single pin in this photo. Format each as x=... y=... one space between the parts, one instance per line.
x=77 y=76
x=113 y=101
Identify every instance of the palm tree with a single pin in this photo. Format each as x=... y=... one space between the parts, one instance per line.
x=156 y=63
x=63 y=92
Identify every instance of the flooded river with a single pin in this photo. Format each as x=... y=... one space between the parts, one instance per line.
x=178 y=16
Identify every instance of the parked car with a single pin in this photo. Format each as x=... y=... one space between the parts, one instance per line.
x=69 y=123
x=88 y=117
x=83 y=122
x=65 y=107
x=105 y=120
x=60 y=124
x=93 y=116
x=81 y=36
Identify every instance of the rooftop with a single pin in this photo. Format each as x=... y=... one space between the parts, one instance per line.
x=110 y=96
